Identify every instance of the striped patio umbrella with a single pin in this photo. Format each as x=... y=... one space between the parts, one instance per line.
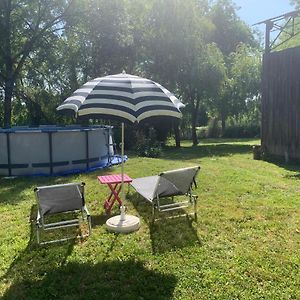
x=127 y=98
x=123 y=96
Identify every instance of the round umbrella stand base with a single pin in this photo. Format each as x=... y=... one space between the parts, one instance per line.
x=129 y=224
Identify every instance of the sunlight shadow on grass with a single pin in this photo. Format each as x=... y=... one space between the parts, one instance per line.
x=98 y=220
x=112 y=246
x=12 y=189
x=106 y=280
x=292 y=166
x=15 y=190
x=167 y=233
x=36 y=261
x=293 y=176
x=200 y=151
x=170 y=234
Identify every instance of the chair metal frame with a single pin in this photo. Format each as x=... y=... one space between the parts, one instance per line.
x=83 y=212
x=192 y=200
x=158 y=207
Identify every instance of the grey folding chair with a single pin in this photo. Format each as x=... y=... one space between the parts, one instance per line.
x=168 y=184
x=61 y=199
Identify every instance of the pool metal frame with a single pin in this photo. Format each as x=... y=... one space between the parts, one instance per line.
x=51 y=164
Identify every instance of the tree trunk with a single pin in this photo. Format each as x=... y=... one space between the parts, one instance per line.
x=177 y=135
x=194 y=133
x=8 y=73
x=223 y=124
x=8 y=89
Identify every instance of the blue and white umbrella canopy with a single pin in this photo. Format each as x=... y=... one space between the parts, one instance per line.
x=122 y=96
x=127 y=98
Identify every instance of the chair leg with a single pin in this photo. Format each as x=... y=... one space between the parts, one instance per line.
x=89 y=220
x=87 y=217
x=195 y=207
x=153 y=214
x=38 y=233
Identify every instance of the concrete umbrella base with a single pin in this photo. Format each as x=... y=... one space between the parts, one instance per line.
x=123 y=223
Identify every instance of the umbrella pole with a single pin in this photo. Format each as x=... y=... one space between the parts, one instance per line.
x=122 y=208
x=123 y=223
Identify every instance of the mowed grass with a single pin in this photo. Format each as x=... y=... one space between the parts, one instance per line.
x=245 y=245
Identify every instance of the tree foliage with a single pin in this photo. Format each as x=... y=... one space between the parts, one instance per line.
x=229 y=29
x=26 y=28
x=193 y=47
x=296 y=3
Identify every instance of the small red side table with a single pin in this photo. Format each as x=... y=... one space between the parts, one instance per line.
x=114 y=183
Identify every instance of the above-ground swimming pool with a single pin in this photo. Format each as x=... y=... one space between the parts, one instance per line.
x=52 y=150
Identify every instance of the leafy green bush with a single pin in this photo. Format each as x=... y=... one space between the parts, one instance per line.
x=202 y=132
x=129 y=135
x=213 y=128
x=148 y=146
x=231 y=131
x=242 y=131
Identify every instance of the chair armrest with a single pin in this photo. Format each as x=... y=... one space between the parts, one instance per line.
x=38 y=217
x=84 y=208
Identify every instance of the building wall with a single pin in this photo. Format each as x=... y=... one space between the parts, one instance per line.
x=281 y=103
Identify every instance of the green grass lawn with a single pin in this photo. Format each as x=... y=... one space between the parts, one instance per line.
x=245 y=245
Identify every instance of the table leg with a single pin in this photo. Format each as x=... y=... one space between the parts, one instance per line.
x=108 y=203
x=115 y=190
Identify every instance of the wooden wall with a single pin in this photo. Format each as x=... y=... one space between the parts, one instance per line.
x=281 y=103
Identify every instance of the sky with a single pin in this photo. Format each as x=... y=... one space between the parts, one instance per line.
x=254 y=11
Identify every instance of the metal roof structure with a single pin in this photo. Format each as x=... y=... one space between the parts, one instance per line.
x=286 y=23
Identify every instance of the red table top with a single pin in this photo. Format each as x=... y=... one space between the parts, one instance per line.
x=117 y=178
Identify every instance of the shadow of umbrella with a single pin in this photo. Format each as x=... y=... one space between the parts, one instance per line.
x=44 y=273
x=127 y=98
x=107 y=280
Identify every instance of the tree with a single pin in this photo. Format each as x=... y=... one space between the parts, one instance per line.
x=202 y=82
x=24 y=28
x=48 y=50
x=108 y=42
x=241 y=85
x=296 y=3
x=229 y=30
x=176 y=50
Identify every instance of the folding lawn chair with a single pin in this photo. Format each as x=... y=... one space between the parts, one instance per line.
x=61 y=199
x=168 y=184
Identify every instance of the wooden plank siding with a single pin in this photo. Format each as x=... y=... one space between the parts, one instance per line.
x=281 y=103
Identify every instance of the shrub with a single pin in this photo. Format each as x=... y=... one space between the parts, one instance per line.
x=129 y=136
x=231 y=131
x=148 y=146
x=242 y=131
x=202 y=132
x=213 y=128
